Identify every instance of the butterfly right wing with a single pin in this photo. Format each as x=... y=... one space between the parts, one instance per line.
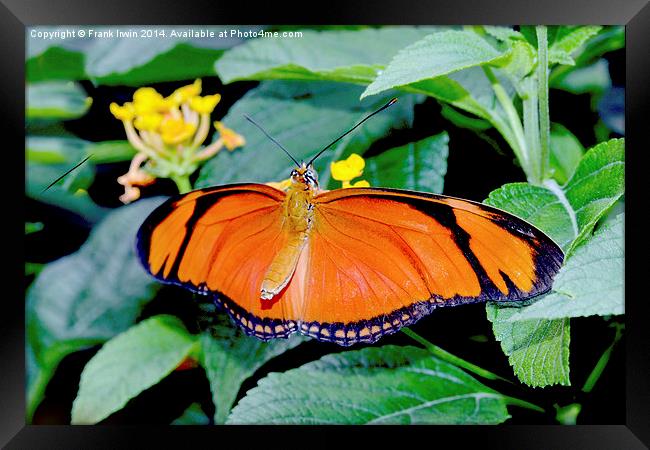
x=381 y=259
x=222 y=241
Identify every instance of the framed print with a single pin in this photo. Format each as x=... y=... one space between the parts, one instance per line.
x=399 y=215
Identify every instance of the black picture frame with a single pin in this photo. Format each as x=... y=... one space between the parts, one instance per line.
x=16 y=15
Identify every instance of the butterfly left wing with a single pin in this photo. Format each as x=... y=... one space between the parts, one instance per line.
x=380 y=259
x=222 y=241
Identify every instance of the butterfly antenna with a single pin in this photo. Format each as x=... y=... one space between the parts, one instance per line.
x=271 y=137
x=66 y=174
x=391 y=102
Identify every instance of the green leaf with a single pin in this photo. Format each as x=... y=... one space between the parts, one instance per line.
x=503 y=33
x=304 y=117
x=471 y=91
x=419 y=166
x=110 y=151
x=182 y=62
x=128 y=60
x=568 y=40
x=566 y=152
x=48 y=158
x=529 y=33
x=520 y=61
x=568 y=213
x=128 y=364
x=461 y=120
x=56 y=100
x=597 y=183
x=537 y=205
x=343 y=56
x=193 y=415
x=609 y=39
x=475 y=82
x=55 y=63
x=593 y=79
x=88 y=297
x=538 y=350
x=590 y=283
x=229 y=357
x=437 y=54
x=375 y=385
x=40 y=372
x=58 y=150
x=138 y=61
x=612 y=214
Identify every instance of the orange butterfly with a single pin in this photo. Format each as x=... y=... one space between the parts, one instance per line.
x=344 y=266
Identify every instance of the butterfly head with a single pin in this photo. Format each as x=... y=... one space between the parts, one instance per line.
x=304 y=177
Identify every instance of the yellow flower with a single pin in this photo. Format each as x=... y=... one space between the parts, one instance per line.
x=348 y=169
x=168 y=134
x=144 y=94
x=229 y=138
x=358 y=184
x=124 y=113
x=175 y=131
x=166 y=104
x=185 y=93
x=147 y=101
x=205 y=105
x=148 y=122
x=281 y=185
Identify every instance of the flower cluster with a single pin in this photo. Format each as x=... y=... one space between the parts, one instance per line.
x=168 y=134
x=348 y=169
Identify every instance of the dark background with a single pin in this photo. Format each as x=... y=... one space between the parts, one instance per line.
x=474 y=169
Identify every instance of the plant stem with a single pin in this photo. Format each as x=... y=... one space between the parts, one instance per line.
x=522 y=403
x=455 y=360
x=182 y=182
x=602 y=361
x=531 y=127
x=542 y=95
x=521 y=149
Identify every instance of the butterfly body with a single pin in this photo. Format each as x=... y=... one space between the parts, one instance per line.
x=298 y=218
x=343 y=266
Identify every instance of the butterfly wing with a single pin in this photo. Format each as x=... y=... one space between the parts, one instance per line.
x=380 y=259
x=221 y=241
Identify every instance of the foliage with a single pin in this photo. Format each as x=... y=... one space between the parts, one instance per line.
x=229 y=358
x=384 y=385
x=132 y=61
x=537 y=344
x=419 y=166
x=128 y=364
x=343 y=55
x=87 y=297
x=297 y=115
x=590 y=282
x=493 y=81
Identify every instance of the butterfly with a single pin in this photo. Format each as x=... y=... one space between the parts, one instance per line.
x=346 y=265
